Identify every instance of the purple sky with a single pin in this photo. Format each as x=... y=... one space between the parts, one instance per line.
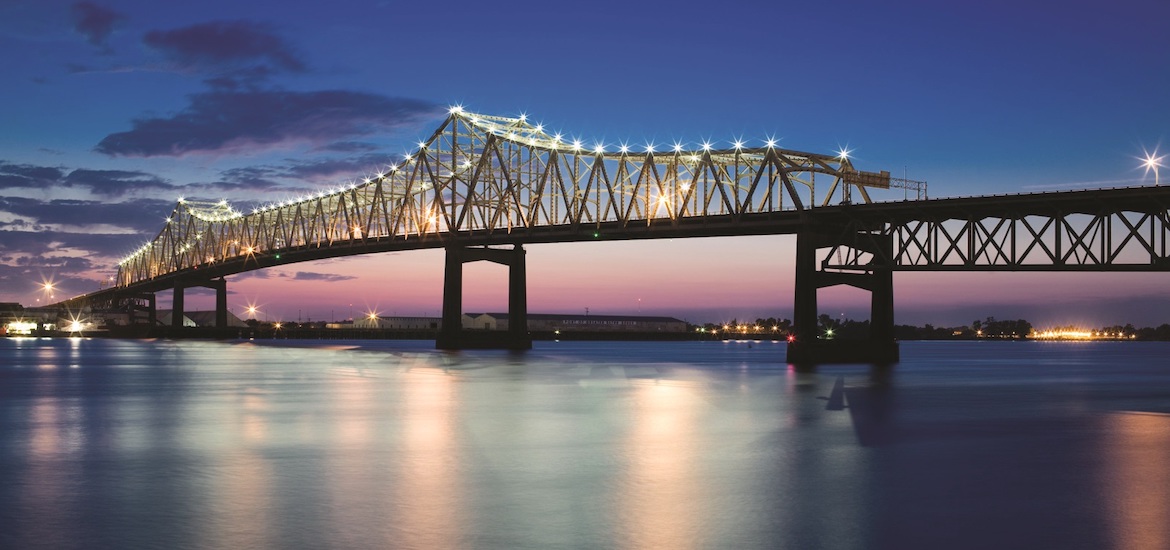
x=112 y=110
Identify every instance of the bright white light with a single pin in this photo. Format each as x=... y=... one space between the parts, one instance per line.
x=556 y=137
x=523 y=117
x=706 y=145
x=539 y=127
x=1153 y=162
x=770 y=143
x=598 y=148
x=406 y=156
x=843 y=153
x=649 y=147
x=455 y=109
x=182 y=200
x=422 y=145
x=738 y=144
x=677 y=147
x=576 y=145
x=624 y=148
x=394 y=168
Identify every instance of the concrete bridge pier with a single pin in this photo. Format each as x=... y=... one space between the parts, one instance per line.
x=177 y=305
x=808 y=346
x=452 y=335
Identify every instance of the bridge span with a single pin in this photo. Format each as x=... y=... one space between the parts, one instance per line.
x=482 y=187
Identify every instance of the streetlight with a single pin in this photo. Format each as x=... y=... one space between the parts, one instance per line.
x=1153 y=162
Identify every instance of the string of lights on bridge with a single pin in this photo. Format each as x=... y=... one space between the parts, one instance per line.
x=503 y=127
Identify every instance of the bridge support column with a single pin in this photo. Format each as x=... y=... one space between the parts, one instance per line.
x=809 y=347
x=452 y=327
x=518 y=299
x=881 y=305
x=151 y=309
x=452 y=335
x=177 y=305
x=221 y=310
x=804 y=304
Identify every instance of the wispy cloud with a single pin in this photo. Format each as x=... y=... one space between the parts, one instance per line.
x=225 y=122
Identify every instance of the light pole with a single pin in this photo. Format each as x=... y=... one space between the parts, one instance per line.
x=1153 y=162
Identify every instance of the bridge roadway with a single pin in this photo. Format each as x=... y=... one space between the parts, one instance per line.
x=1126 y=229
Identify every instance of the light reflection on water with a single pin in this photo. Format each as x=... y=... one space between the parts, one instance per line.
x=1138 y=480
x=159 y=444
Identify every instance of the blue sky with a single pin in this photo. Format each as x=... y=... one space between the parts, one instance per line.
x=111 y=110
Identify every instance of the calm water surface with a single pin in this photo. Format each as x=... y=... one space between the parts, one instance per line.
x=164 y=444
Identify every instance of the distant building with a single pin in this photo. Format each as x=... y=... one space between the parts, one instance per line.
x=552 y=322
x=17 y=320
x=399 y=323
x=199 y=319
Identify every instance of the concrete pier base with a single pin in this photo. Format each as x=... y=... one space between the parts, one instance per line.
x=820 y=352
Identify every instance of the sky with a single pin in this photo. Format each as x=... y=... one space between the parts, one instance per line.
x=111 y=110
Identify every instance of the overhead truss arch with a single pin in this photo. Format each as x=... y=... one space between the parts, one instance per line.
x=484 y=175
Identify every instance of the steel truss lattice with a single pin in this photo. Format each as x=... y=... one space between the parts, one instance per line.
x=480 y=174
x=1108 y=230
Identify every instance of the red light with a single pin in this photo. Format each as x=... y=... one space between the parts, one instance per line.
x=791 y=338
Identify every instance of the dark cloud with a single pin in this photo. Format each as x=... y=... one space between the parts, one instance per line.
x=329 y=277
x=349 y=147
x=38 y=244
x=221 y=121
x=142 y=215
x=225 y=44
x=247 y=78
x=351 y=168
x=298 y=276
x=250 y=177
x=27 y=175
x=115 y=183
x=94 y=22
x=107 y=183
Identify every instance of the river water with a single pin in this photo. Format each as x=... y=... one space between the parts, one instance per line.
x=390 y=444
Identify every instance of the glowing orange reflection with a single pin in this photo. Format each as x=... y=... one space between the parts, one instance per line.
x=1137 y=480
x=429 y=476
x=662 y=502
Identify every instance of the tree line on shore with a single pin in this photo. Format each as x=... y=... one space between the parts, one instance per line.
x=991 y=328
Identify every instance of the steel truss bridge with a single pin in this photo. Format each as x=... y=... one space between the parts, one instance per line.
x=482 y=183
